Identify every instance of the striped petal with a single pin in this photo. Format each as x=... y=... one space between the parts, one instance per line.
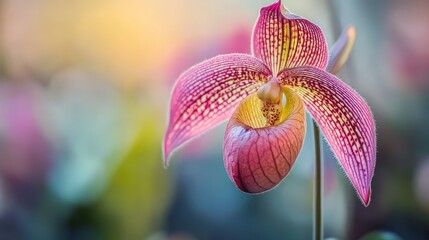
x=257 y=158
x=344 y=118
x=208 y=93
x=340 y=52
x=281 y=39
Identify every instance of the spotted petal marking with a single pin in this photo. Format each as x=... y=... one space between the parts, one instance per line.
x=344 y=118
x=208 y=93
x=281 y=39
x=258 y=158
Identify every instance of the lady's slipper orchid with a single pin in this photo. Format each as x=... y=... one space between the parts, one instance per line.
x=269 y=91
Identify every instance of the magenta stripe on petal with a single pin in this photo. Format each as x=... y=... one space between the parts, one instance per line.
x=208 y=93
x=344 y=118
x=258 y=159
x=281 y=39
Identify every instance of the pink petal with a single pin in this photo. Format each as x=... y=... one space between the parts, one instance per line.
x=340 y=52
x=207 y=94
x=344 y=118
x=258 y=158
x=281 y=39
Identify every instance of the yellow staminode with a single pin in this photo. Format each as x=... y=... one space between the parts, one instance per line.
x=250 y=112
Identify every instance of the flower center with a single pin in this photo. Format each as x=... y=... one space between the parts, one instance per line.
x=271 y=95
x=270 y=92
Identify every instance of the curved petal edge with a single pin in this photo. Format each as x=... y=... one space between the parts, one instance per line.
x=345 y=120
x=281 y=39
x=207 y=94
x=340 y=52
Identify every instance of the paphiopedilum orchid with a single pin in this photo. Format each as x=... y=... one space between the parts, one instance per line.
x=265 y=95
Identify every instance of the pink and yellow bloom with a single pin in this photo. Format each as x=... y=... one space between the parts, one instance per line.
x=265 y=96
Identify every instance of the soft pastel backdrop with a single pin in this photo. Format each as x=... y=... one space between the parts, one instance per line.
x=84 y=89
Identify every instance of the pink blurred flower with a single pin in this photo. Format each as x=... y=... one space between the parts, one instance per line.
x=24 y=147
x=408 y=28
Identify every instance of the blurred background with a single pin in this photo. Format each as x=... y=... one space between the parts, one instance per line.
x=84 y=89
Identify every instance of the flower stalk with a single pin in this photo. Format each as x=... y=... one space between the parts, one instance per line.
x=318 y=186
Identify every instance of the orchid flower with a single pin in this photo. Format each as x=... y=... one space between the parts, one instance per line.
x=265 y=96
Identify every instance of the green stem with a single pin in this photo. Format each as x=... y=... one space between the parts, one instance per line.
x=318 y=181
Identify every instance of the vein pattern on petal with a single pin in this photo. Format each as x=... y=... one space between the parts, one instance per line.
x=281 y=39
x=344 y=118
x=208 y=93
x=258 y=158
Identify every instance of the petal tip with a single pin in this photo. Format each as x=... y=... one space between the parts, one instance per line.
x=365 y=197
